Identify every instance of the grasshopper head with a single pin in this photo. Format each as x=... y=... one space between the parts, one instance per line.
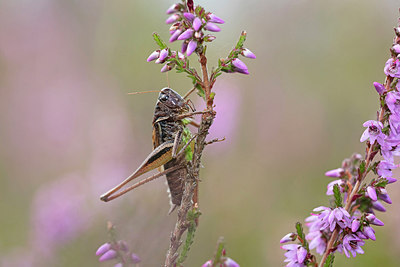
x=172 y=100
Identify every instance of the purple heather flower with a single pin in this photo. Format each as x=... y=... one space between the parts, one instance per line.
x=338 y=216
x=213 y=18
x=369 y=232
x=197 y=24
x=371 y=218
x=379 y=88
x=336 y=173
x=119 y=265
x=175 y=36
x=189 y=16
x=172 y=9
x=385 y=168
x=186 y=34
x=181 y=56
x=211 y=27
x=392 y=68
x=391 y=180
x=109 y=255
x=373 y=132
x=317 y=241
x=378 y=206
x=166 y=68
x=207 y=264
x=393 y=102
x=209 y=38
x=315 y=222
x=352 y=244
x=153 y=56
x=355 y=224
x=163 y=54
x=135 y=258
x=191 y=47
x=230 y=263
x=394 y=121
x=330 y=186
x=287 y=238
x=295 y=254
x=383 y=195
x=396 y=48
x=103 y=249
x=247 y=53
x=371 y=193
x=172 y=19
x=184 y=47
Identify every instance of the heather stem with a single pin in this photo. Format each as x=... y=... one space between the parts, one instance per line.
x=193 y=168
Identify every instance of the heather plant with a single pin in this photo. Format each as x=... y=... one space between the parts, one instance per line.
x=194 y=27
x=358 y=192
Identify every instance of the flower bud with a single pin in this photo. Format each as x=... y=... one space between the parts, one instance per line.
x=369 y=232
x=163 y=54
x=355 y=225
x=172 y=19
x=371 y=192
x=396 y=49
x=213 y=18
x=189 y=16
x=175 y=36
x=209 y=38
x=184 y=47
x=336 y=173
x=186 y=34
x=378 y=206
x=247 y=53
x=109 y=255
x=172 y=9
x=191 y=47
x=212 y=27
x=239 y=64
x=135 y=258
x=103 y=249
x=230 y=263
x=153 y=56
x=379 y=88
x=289 y=237
x=197 y=24
x=167 y=67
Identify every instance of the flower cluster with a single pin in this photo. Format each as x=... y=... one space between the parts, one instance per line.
x=118 y=250
x=190 y=25
x=349 y=221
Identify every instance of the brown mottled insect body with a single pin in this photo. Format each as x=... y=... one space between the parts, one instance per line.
x=168 y=129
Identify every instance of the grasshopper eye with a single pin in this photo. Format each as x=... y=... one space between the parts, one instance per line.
x=163 y=98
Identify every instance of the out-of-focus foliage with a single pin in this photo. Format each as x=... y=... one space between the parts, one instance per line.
x=69 y=131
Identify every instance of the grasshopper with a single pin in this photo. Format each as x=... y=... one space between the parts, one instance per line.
x=169 y=136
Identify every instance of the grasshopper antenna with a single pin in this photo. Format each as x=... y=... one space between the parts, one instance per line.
x=144 y=92
x=189 y=93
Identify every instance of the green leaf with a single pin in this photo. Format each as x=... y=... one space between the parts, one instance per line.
x=218 y=253
x=362 y=167
x=186 y=136
x=301 y=235
x=159 y=41
x=382 y=182
x=337 y=195
x=192 y=215
x=329 y=260
x=241 y=41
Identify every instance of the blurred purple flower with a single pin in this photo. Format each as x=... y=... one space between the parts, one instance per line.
x=392 y=68
x=295 y=255
x=385 y=168
x=59 y=213
x=396 y=48
x=393 y=102
x=212 y=27
x=373 y=132
x=369 y=232
x=378 y=206
x=172 y=19
x=379 y=88
x=186 y=34
x=103 y=249
x=172 y=9
x=197 y=24
x=383 y=195
x=153 y=56
x=352 y=244
x=336 y=173
x=191 y=47
x=189 y=16
x=247 y=53
x=371 y=193
x=287 y=238
x=175 y=36
x=317 y=241
x=330 y=186
x=355 y=225
x=213 y=18
x=108 y=255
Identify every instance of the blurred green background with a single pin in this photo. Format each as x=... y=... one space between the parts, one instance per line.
x=69 y=131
